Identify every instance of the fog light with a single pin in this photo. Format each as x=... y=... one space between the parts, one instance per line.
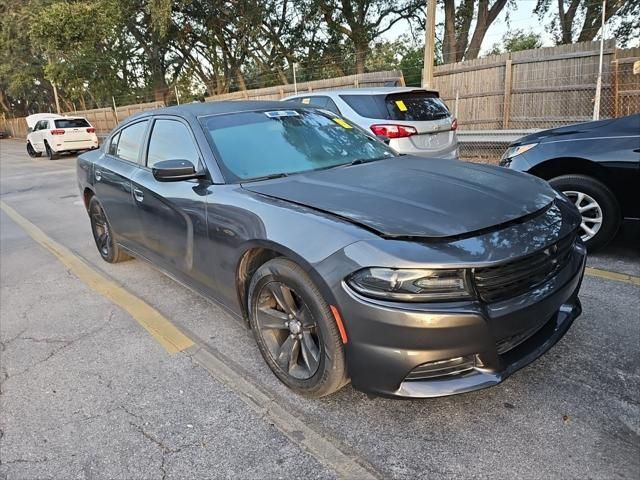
x=441 y=368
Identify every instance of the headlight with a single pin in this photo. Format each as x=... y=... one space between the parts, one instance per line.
x=411 y=285
x=515 y=151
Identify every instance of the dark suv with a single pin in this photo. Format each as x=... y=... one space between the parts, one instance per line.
x=595 y=164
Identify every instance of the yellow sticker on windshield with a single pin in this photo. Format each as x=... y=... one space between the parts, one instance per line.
x=342 y=123
x=306 y=101
x=401 y=106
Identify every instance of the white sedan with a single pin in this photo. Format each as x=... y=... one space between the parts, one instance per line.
x=54 y=135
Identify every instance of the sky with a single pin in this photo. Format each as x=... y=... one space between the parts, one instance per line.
x=519 y=18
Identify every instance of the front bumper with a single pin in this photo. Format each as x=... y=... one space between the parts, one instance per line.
x=387 y=341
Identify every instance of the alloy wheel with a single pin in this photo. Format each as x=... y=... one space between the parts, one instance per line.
x=591 y=212
x=100 y=229
x=288 y=329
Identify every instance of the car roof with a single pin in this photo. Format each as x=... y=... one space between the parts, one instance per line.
x=202 y=109
x=361 y=91
x=212 y=108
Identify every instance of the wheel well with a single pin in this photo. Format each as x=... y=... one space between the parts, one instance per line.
x=570 y=166
x=86 y=197
x=250 y=262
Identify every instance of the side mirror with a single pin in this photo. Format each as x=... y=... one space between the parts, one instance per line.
x=174 y=170
x=384 y=139
x=29 y=130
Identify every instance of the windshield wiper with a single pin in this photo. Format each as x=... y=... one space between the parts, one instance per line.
x=359 y=161
x=265 y=177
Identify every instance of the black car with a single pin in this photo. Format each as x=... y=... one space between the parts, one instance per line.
x=595 y=164
x=406 y=277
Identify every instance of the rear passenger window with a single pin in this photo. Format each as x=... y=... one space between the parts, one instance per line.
x=368 y=106
x=130 y=141
x=171 y=140
x=113 y=146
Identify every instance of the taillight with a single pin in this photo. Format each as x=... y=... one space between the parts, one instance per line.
x=394 y=131
x=57 y=132
x=454 y=124
x=91 y=130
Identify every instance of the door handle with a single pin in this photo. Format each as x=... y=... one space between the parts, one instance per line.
x=98 y=175
x=138 y=194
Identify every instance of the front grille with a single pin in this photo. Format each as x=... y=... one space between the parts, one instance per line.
x=519 y=276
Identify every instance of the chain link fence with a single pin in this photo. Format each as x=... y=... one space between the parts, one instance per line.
x=499 y=99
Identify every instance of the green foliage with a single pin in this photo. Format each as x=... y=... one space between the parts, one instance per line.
x=516 y=41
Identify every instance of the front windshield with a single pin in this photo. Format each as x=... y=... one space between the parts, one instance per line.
x=254 y=144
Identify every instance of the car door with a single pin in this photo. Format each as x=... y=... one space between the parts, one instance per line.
x=37 y=136
x=112 y=181
x=172 y=214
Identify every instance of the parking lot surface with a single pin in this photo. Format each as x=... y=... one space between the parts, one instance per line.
x=96 y=381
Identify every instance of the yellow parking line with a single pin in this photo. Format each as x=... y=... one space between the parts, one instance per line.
x=167 y=334
x=618 y=277
x=325 y=449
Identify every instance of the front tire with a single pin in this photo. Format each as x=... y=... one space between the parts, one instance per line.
x=109 y=250
x=597 y=205
x=295 y=330
x=32 y=151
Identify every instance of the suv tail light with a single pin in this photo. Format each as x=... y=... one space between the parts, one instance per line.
x=454 y=124
x=57 y=131
x=394 y=131
x=91 y=130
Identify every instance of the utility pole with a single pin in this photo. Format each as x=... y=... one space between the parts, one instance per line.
x=596 y=102
x=295 y=83
x=429 y=44
x=177 y=96
x=55 y=95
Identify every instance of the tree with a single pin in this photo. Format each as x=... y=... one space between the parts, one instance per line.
x=516 y=41
x=580 y=20
x=363 y=21
x=459 y=42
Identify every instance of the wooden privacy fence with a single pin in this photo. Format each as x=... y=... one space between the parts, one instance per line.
x=372 y=79
x=103 y=119
x=540 y=88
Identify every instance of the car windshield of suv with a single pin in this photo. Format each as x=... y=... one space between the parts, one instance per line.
x=252 y=145
x=72 y=123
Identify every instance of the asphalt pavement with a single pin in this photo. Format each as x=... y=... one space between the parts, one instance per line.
x=90 y=389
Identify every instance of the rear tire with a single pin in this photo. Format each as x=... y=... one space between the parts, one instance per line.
x=295 y=329
x=32 y=151
x=108 y=248
x=597 y=204
x=50 y=153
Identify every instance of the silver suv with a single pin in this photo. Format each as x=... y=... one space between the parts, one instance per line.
x=416 y=121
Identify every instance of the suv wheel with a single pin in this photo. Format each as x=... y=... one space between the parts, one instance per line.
x=32 y=151
x=597 y=205
x=295 y=330
x=50 y=153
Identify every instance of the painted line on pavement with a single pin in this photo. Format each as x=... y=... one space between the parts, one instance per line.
x=165 y=332
x=295 y=429
x=615 y=276
x=324 y=449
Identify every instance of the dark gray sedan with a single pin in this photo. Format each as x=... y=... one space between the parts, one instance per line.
x=350 y=263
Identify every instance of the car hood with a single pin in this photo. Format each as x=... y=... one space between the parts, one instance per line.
x=568 y=131
x=415 y=197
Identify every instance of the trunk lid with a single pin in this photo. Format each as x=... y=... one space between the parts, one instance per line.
x=410 y=197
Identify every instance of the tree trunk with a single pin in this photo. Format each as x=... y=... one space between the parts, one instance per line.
x=449 y=41
x=240 y=78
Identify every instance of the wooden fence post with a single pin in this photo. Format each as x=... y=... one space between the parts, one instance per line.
x=616 y=107
x=506 y=107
